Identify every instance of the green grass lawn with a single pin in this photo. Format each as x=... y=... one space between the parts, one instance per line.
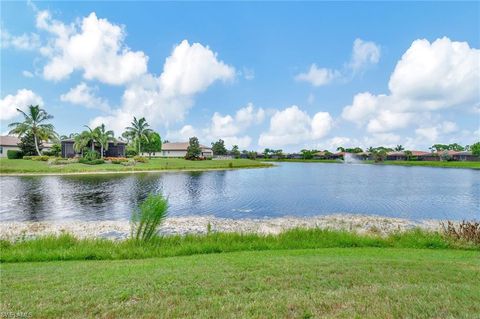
x=473 y=165
x=310 y=283
x=9 y=166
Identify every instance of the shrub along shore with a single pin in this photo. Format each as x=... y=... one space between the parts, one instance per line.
x=55 y=166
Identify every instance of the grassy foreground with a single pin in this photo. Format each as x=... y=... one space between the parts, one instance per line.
x=313 y=283
x=472 y=165
x=19 y=166
x=66 y=247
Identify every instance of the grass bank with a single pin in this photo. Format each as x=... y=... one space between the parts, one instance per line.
x=20 y=166
x=471 y=165
x=312 y=283
x=66 y=247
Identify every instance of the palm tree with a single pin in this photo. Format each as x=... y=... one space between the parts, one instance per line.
x=80 y=142
x=139 y=131
x=103 y=137
x=34 y=123
x=399 y=148
x=91 y=136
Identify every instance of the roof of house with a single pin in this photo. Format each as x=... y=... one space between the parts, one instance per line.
x=116 y=141
x=180 y=146
x=9 y=140
x=414 y=153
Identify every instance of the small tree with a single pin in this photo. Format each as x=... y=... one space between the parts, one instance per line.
x=379 y=155
x=235 y=151
x=266 y=153
x=27 y=144
x=475 y=149
x=218 y=148
x=153 y=145
x=408 y=155
x=252 y=155
x=193 y=151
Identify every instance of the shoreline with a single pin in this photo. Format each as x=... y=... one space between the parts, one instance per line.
x=173 y=170
x=120 y=229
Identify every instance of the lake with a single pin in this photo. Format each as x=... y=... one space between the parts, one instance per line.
x=290 y=189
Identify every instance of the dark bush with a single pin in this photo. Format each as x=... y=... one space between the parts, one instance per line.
x=14 y=154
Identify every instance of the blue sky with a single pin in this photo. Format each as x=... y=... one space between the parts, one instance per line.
x=272 y=74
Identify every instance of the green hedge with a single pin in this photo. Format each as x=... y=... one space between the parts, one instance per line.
x=14 y=154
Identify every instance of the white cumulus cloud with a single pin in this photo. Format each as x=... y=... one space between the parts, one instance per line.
x=189 y=70
x=93 y=46
x=364 y=54
x=294 y=126
x=430 y=76
x=84 y=95
x=21 y=100
x=318 y=76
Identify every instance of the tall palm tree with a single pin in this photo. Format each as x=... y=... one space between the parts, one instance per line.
x=80 y=142
x=34 y=122
x=399 y=148
x=139 y=131
x=103 y=137
x=91 y=136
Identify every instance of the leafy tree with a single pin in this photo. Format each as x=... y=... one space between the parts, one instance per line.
x=399 y=148
x=475 y=149
x=27 y=144
x=252 y=155
x=307 y=154
x=103 y=137
x=278 y=153
x=56 y=149
x=408 y=155
x=235 y=151
x=266 y=153
x=218 y=148
x=138 y=132
x=154 y=143
x=353 y=150
x=193 y=149
x=34 y=122
x=456 y=147
x=340 y=149
x=379 y=155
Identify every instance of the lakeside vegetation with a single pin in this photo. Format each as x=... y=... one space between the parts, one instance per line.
x=20 y=166
x=445 y=164
x=67 y=247
x=307 y=283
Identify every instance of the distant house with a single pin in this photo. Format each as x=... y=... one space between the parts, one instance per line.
x=115 y=149
x=465 y=156
x=400 y=155
x=8 y=143
x=180 y=150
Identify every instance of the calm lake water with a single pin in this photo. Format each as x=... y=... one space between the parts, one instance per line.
x=295 y=189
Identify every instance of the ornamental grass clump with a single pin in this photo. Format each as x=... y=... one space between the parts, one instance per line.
x=148 y=217
x=468 y=231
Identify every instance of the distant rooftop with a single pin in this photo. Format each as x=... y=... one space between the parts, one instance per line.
x=9 y=140
x=179 y=146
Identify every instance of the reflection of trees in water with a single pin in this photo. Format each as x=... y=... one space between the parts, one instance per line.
x=193 y=185
x=31 y=195
x=141 y=185
x=93 y=195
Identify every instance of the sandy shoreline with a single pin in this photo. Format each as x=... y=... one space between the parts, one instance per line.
x=120 y=229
